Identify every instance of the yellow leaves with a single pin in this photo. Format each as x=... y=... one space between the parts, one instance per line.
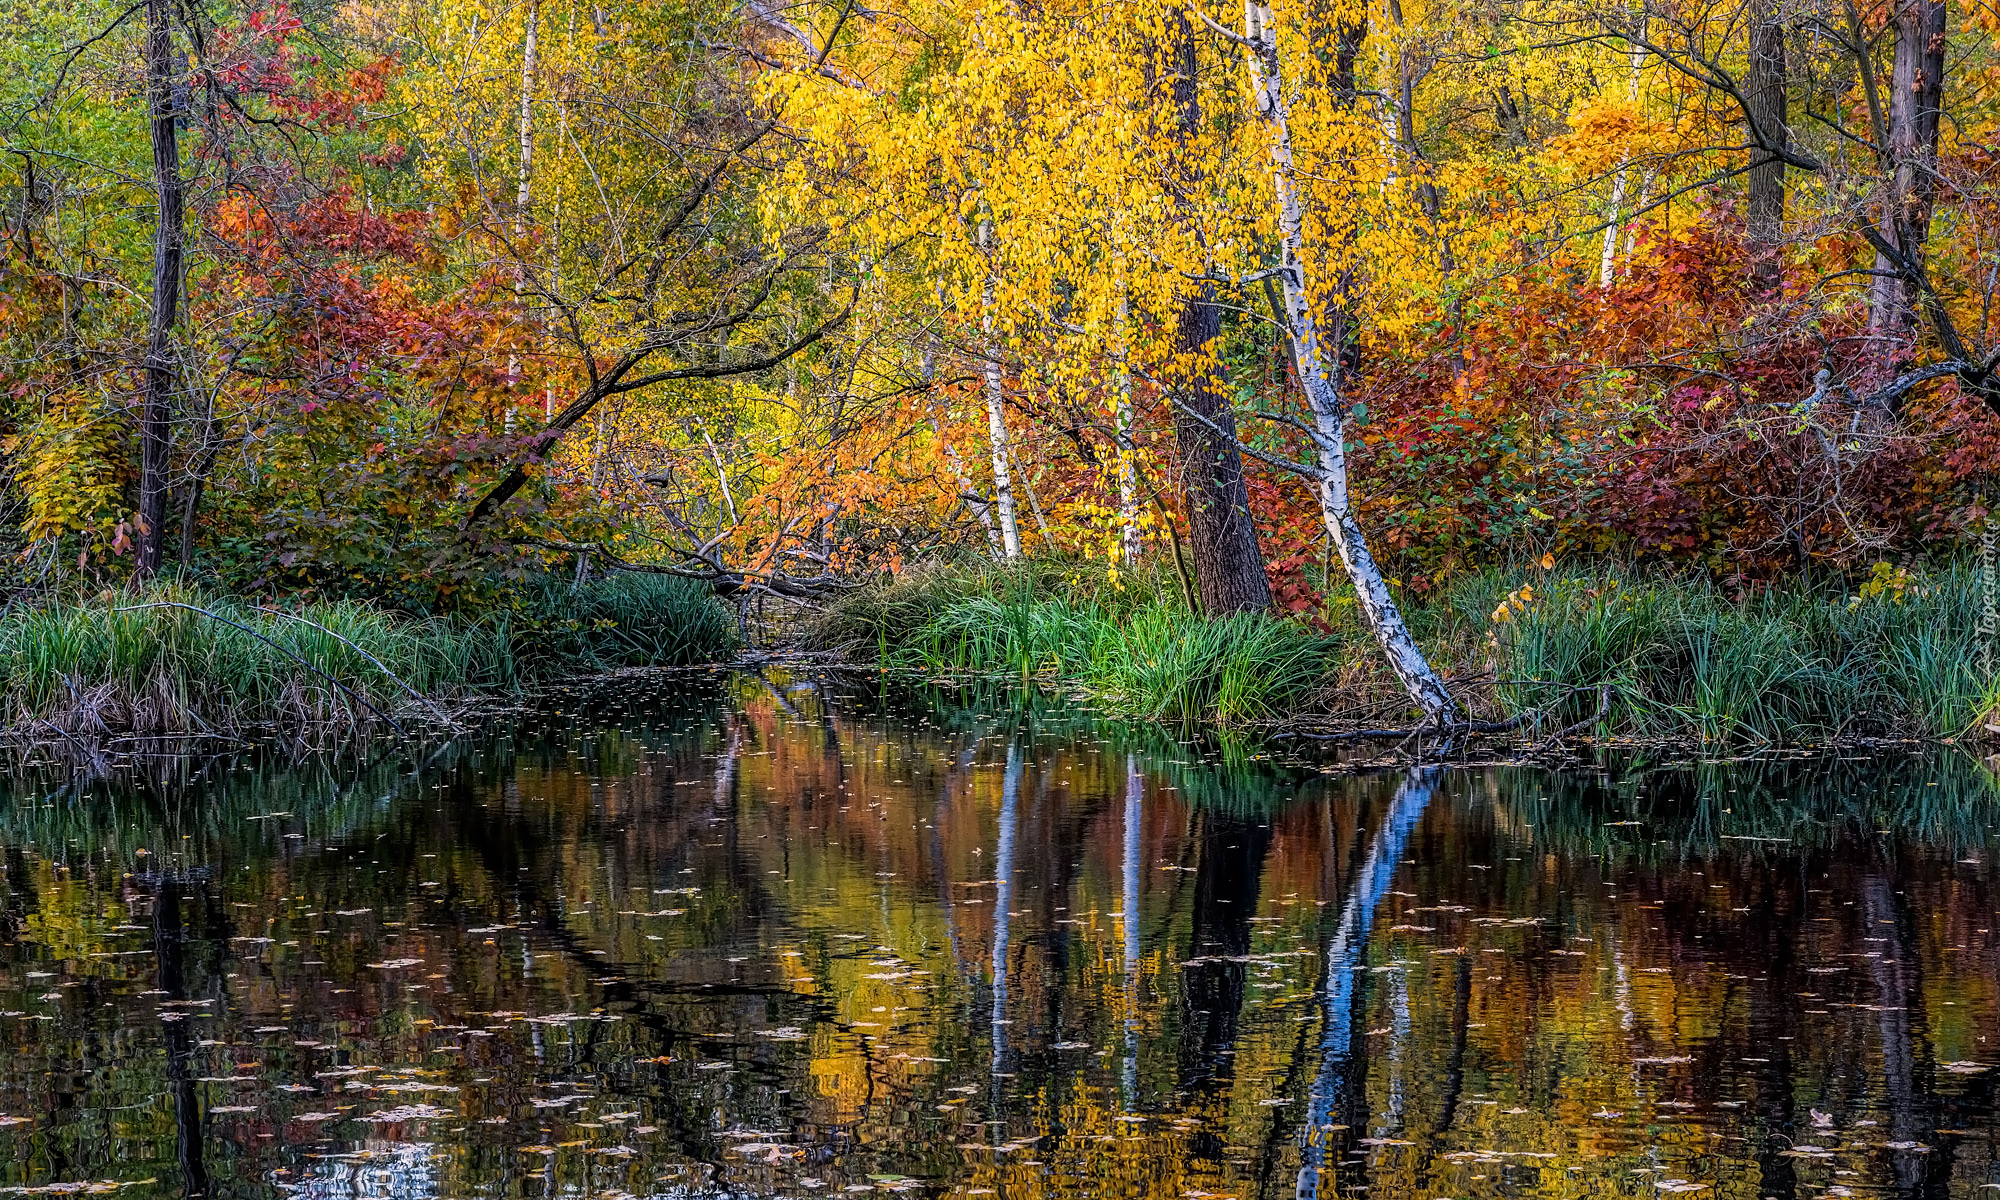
x=1887 y=583
x=1604 y=132
x=72 y=469
x=1516 y=605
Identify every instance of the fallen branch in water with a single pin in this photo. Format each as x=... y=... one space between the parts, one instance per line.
x=1603 y=711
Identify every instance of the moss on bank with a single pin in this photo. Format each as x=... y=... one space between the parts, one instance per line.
x=1794 y=663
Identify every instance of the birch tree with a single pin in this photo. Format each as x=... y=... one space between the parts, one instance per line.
x=1317 y=360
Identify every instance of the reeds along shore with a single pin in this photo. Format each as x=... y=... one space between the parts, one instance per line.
x=1798 y=662
x=175 y=660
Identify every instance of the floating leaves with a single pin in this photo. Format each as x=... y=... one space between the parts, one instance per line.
x=406 y=1112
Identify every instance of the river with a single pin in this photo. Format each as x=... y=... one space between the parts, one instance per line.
x=731 y=934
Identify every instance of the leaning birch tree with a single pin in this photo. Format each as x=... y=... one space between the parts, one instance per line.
x=1317 y=358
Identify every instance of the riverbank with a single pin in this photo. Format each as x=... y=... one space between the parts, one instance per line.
x=1624 y=653
x=175 y=661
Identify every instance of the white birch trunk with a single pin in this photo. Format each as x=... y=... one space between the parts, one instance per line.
x=996 y=409
x=980 y=508
x=1128 y=464
x=1607 y=261
x=967 y=493
x=1318 y=367
x=527 y=130
x=1388 y=85
x=1611 y=226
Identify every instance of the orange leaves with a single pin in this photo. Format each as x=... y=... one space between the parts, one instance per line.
x=1604 y=132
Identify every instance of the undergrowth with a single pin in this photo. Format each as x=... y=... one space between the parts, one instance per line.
x=174 y=659
x=1796 y=663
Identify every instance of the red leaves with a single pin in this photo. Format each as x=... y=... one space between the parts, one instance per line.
x=1660 y=417
x=255 y=61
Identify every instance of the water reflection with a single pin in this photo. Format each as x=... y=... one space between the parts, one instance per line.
x=761 y=936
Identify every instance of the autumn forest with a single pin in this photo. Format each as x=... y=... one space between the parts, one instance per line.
x=999 y=599
x=1417 y=320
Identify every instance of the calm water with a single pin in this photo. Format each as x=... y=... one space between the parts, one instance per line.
x=749 y=936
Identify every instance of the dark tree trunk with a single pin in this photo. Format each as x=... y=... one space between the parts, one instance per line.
x=1227 y=883
x=1916 y=88
x=1228 y=565
x=170 y=959
x=1764 y=96
x=154 y=437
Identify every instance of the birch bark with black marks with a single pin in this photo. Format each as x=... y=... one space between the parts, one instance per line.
x=1319 y=367
x=169 y=247
x=994 y=376
x=968 y=495
x=1608 y=258
x=1128 y=465
x=524 y=175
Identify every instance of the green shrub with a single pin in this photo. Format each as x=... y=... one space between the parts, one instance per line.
x=626 y=620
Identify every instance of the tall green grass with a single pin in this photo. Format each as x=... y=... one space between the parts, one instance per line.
x=130 y=663
x=1125 y=639
x=626 y=620
x=146 y=662
x=1799 y=662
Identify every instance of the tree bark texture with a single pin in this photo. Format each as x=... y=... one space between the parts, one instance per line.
x=1764 y=97
x=1228 y=564
x=1916 y=89
x=994 y=377
x=1316 y=346
x=156 y=401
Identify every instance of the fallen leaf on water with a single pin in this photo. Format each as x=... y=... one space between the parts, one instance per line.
x=407 y=1112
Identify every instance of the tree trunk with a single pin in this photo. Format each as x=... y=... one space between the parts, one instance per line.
x=1764 y=97
x=996 y=407
x=1319 y=368
x=1916 y=87
x=525 y=174
x=156 y=401
x=1128 y=464
x=967 y=495
x=1608 y=259
x=1222 y=538
x=1228 y=564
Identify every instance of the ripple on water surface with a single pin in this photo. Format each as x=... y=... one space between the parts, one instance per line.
x=772 y=936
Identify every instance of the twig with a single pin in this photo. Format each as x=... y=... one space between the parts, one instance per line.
x=351 y=693
x=416 y=695
x=1603 y=710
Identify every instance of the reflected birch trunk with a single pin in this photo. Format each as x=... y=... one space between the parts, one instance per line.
x=1135 y=789
x=1343 y=969
x=1003 y=899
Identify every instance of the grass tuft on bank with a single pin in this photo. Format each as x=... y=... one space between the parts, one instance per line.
x=1792 y=664
x=176 y=660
